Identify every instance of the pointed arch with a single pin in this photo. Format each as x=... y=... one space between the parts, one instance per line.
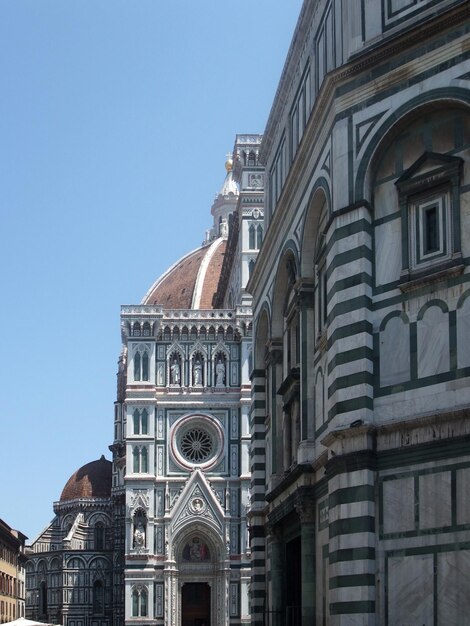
x=145 y=366
x=137 y=366
x=98 y=597
x=251 y=237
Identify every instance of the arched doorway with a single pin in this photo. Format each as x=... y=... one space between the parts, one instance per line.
x=195 y=604
x=199 y=583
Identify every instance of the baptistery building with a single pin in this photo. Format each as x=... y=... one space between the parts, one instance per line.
x=181 y=450
x=361 y=296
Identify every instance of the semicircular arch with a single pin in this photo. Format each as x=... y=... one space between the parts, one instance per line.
x=450 y=97
x=286 y=276
x=314 y=222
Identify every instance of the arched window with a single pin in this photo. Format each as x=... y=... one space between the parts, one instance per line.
x=135 y=603
x=144 y=464
x=251 y=237
x=43 y=600
x=136 y=460
x=143 y=603
x=98 y=597
x=144 y=422
x=251 y=158
x=140 y=460
x=99 y=536
x=136 y=422
x=145 y=366
x=139 y=603
x=259 y=236
x=137 y=366
x=146 y=329
x=141 y=365
x=251 y=266
x=136 y=330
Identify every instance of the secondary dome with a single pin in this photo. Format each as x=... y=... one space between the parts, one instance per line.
x=93 y=480
x=192 y=282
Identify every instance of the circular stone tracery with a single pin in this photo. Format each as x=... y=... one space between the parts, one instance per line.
x=197 y=440
x=196 y=445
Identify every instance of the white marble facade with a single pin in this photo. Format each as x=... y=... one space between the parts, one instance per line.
x=361 y=319
x=182 y=446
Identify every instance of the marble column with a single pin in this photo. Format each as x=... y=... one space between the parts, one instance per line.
x=276 y=569
x=305 y=304
x=306 y=511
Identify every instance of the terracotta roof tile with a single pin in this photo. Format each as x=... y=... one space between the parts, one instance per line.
x=175 y=289
x=90 y=481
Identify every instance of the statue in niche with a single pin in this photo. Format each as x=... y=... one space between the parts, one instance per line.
x=197 y=372
x=139 y=535
x=196 y=550
x=220 y=373
x=175 y=378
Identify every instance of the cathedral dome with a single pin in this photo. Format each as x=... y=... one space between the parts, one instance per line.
x=93 y=480
x=192 y=282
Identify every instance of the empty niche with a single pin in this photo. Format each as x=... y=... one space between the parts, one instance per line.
x=433 y=339
x=394 y=350
x=463 y=330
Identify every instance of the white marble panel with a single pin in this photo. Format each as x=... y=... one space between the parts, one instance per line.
x=463 y=335
x=340 y=155
x=433 y=342
x=398 y=505
x=394 y=352
x=453 y=588
x=398 y=5
x=373 y=19
x=385 y=200
x=410 y=590
x=465 y=223
x=463 y=499
x=435 y=500
x=352 y=34
x=388 y=252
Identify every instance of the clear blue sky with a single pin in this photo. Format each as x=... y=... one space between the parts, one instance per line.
x=115 y=119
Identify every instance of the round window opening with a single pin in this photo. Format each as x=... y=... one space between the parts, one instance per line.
x=197 y=440
x=196 y=445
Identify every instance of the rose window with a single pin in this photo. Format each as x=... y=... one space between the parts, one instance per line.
x=197 y=440
x=196 y=445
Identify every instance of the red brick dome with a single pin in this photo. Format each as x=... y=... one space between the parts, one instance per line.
x=192 y=282
x=93 y=480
